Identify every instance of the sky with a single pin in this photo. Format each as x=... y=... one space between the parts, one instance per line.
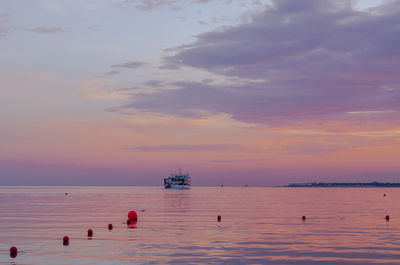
x=257 y=92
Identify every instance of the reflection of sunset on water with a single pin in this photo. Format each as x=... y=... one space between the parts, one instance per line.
x=258 y=225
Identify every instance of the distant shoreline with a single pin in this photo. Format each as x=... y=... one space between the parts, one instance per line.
x=343 y=184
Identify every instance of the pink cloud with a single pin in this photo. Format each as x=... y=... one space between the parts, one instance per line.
x=185 y=148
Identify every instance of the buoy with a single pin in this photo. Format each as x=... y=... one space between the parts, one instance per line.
x=219 y=218
x=132 y=215
x=304 y=218
x=66 y=193
x=13 y=252
x=13 y=249
x=387 y=217
x=90 y=233
x=143 y=210
x=110 y=226
x=384 y=195
x=66 y=241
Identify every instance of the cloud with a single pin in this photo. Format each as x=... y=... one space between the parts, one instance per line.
x=235 y=160
x=252 y=103
x=184 y=148
x=297 y=61
x=170 y=4
x=298 y=40
x=97 y=89
x=5 y=28
x=4 y=19
x=44 y=30
x=129 y=65
x=111 y=73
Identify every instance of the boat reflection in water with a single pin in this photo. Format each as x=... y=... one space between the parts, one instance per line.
x=177 y=201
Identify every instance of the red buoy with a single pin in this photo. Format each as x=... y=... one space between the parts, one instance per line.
x=110 y=226
x=387 y=217
x=384 y=195
x=303 y=217
x=90 y=233
x=13 y=252
x=132 y=215
x=219 y=218
x=66 y=241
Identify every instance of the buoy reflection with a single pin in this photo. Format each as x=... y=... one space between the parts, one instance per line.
x=132 y=224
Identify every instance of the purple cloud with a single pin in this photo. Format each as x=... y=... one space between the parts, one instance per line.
x=45 y=30
x=129 y=65
x=170 y=4
x=255 y=103
x=111 y=73
x=298 y=40
x=184 y=148
x=5 y=28
x=4 y=19
x=310 y=60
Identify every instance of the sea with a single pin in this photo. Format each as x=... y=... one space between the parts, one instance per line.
x=258 y=225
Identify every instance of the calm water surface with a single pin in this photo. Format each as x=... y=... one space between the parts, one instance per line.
x=259 y=225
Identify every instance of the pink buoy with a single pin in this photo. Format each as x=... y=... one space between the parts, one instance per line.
x=110 y=226
x=219 y=218
x=132 y=215
x=90 y=233
x=66 y=241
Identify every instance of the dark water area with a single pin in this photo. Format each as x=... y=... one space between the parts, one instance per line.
x=258 y=225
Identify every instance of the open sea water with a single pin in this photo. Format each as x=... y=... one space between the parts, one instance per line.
x=258 y=226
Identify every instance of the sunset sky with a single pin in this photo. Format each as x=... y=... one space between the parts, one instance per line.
x=123 y=92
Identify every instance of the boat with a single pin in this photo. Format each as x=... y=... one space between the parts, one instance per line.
x=177 y=181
